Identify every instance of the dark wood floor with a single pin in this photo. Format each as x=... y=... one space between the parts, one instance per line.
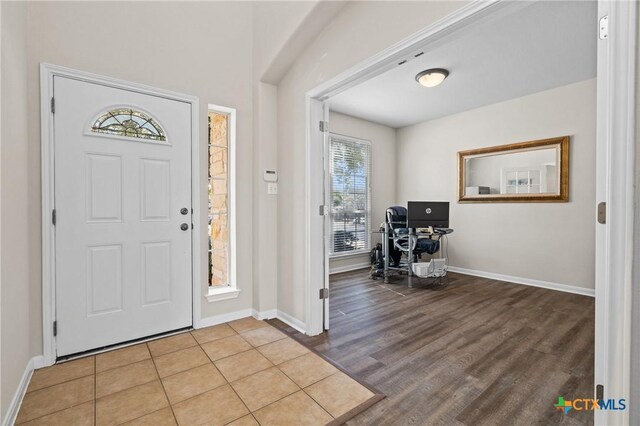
x=478 y=351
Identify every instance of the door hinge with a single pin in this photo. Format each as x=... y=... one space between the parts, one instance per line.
x=603 y=27
x=599 y=392
x=322 y=211
x=324 y=126
x=324 y=293
x=53 y=217
x=55 y=328
x=53 y=105
x=602 y=212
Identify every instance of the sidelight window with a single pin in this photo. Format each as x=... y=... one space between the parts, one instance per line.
x=220 y=231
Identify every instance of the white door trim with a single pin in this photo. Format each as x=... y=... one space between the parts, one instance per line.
x=47 y=73
x=615 y=170
x=315 y=253
x=615 y=140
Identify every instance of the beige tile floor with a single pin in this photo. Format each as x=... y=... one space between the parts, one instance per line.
x=244 y=372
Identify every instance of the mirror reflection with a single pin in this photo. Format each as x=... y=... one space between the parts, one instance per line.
x=520 y=172
x=534 y=171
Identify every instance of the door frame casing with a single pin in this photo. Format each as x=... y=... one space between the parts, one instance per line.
x=615 y=140
x=615 y=178
x=47 y=73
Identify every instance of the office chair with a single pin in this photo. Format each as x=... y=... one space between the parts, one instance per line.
x=401 y=237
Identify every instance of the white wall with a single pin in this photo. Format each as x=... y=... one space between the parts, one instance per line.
x=358 y=32
x=383 y=176
x=19 y=251
x=273 y=24
x=551 y=242
x=280 y=31
x=265 y=206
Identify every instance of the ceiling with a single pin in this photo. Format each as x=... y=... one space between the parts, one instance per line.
x=534 y=48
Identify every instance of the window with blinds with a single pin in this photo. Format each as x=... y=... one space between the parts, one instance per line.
x=350 y=174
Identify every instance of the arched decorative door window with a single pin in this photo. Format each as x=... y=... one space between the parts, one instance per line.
x=130 y=123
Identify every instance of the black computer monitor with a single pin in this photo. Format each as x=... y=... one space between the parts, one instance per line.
x=422 y=214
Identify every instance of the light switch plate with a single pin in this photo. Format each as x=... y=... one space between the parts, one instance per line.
x=272 y=188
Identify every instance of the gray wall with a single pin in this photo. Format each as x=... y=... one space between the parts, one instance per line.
x=551 y=242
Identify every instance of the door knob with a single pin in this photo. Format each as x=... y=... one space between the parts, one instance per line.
x=184 y=226
x=184 y=210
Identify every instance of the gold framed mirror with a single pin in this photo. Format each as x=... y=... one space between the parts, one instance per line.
x=526 y=172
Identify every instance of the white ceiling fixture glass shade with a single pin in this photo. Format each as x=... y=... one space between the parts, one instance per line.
x=432 y=77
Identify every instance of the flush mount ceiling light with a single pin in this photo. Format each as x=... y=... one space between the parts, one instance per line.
x=432 y=77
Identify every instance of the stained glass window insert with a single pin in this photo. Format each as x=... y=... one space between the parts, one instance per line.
x=218 y=199
x=130 y=123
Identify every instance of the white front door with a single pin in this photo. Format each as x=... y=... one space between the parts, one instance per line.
x=123 y=215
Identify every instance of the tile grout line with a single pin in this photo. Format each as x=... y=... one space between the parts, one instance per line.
x=255 y=418
x=319 y=405
x=152 y=358
x=173 y=352
x=162 y=386
x=212 y=363
x=241 y=352
x=228 y=383
x=300 y=388
x=60 y=383
x=53 y=412
x=147 y=414
x=62 y=409
x=273 y=402
x=318 y=402
x=92 y=374
x=143 y=415
x=303 y=389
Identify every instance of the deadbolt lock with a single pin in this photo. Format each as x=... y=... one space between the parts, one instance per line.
x=184 y=211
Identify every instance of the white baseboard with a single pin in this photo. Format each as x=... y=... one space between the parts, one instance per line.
x=348 y=268
x=262 y=315
x=222 y=318
x=526 y=281
x=231 y=316
x=293 y=322
x=12 y=413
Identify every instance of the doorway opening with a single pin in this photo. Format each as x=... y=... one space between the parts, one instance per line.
x=612 y=272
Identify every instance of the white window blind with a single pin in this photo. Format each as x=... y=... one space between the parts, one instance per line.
x=350 y=169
